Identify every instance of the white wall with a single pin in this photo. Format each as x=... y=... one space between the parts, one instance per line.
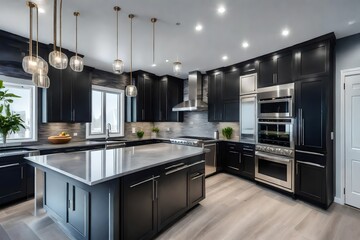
x=347 y=57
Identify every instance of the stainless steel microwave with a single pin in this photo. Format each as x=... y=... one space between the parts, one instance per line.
x=276 y=102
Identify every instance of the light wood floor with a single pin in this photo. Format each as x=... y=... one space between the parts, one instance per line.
x=233 y=209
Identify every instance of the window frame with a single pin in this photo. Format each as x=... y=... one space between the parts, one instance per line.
x=23 y=83
x=121 y=117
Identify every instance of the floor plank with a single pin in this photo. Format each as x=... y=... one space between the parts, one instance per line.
x=234 y=209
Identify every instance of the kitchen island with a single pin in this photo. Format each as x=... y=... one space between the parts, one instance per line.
x=123 y=193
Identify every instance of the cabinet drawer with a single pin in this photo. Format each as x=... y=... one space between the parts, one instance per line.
x=233 y=147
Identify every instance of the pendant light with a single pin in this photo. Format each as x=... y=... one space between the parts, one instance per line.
x=31 y=63
x=118 y=65
x=153 y=20
x=76 y=62
x=131 y=90
x=40 y=77
x=58 y=59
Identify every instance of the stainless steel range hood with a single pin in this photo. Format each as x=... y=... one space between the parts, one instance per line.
x=195 y=102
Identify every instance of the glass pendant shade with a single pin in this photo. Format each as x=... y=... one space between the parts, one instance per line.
x=58 y=60
x=41 y=80
x=131 y=91
x=177 y=68
x=118 y=66
x=33 y=64
x=76 y=63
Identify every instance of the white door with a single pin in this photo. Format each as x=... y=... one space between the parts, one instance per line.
x=352 y=139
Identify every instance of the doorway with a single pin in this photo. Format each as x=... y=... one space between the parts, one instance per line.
x=351 y=142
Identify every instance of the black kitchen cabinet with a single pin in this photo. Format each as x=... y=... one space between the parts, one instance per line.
x=275 y=69
x=169 y=91
x=231 y=84
x=248 y=67
x=232 y=157
x=196 y=183
x=78 y=210
x=215 y=102
x=140 y=206
x=312 y=112
x=68 y=99
x=144 y=100
x=12 y=181
x=231 y=111
x=313 y=60
x=172 y=203
x=247 y=165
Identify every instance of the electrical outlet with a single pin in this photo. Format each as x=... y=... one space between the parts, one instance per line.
x=133 y=130
x=168 y=129
x=75 y=134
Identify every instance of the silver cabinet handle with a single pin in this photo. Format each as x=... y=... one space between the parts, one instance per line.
x=233 y=152
x=174 y=166
x=176 y=170
x=312 y=153
x=233 y=168
x=196 y=163
x=142 y=182
x=299 y=126
x=9 y=165
x=248 y=155
x=248 y=149
x=303 y=130
x=311 y=164
x=197 y=176
x=156 y=189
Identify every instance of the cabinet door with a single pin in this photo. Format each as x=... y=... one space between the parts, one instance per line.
x=196 y=187
x=12 y=182
x=56 y=195
x=248 y=161
x=78 y=210
x=231 y=111
x=163 y=87
x=266 y=73
x=172 y=203
x=144 y=98
x=232 y=158
x=175 y=95
x=67 y=78
x=312 y=61
x=139 y=209
x=215 y=111
x=248 y=84
x=311 y=114
x=284 y=69
x=310 y=182
x=231 y=85
x=248 y=106
x=81 y=96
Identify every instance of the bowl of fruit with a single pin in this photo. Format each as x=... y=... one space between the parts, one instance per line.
x=62 y=138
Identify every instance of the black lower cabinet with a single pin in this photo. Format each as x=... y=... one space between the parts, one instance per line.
x=16 y=179
x=153 y=199
x=313 y=179
x=239 y=159
x=172 y=194
x=140 y=206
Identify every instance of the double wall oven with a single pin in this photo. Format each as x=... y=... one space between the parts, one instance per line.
x=274 y=156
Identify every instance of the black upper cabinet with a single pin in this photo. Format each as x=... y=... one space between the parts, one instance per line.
x=311 y=110
x=215 y=107
x=312 y=60
x=231 y=84
x=275 y=69
x=68 y=99
x=168 y=92
x=145 y=85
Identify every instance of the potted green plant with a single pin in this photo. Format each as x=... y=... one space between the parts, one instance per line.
x=227 y=132
x=154 y=132
x=10 y=122
x=140 y=133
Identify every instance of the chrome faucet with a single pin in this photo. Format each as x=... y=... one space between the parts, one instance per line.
x=108 y=128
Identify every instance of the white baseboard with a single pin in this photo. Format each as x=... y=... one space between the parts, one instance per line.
x=339 y=200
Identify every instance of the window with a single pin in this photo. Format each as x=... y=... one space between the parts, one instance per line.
x=107 y=112
x=26 y=106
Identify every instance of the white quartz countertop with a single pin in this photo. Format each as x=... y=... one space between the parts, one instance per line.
x=96 y=166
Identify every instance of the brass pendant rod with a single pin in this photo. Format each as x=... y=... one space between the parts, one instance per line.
x=117 y=9
x=76 y=14
x=37 y=31
x=30 y=4
x=55 y=23
x=153 y=20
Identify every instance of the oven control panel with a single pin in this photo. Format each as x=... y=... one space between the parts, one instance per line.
x=275 y=150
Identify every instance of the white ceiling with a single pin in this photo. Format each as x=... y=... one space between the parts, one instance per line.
x=257 y=21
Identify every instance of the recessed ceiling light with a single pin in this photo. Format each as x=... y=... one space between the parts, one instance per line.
x=198 y=27
x=221 y=10
x=351 y=22
x=41 y=10
x=153 y=65
x=225 y=57
x=167 y=60
x=285 y=32
x=245 y=44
